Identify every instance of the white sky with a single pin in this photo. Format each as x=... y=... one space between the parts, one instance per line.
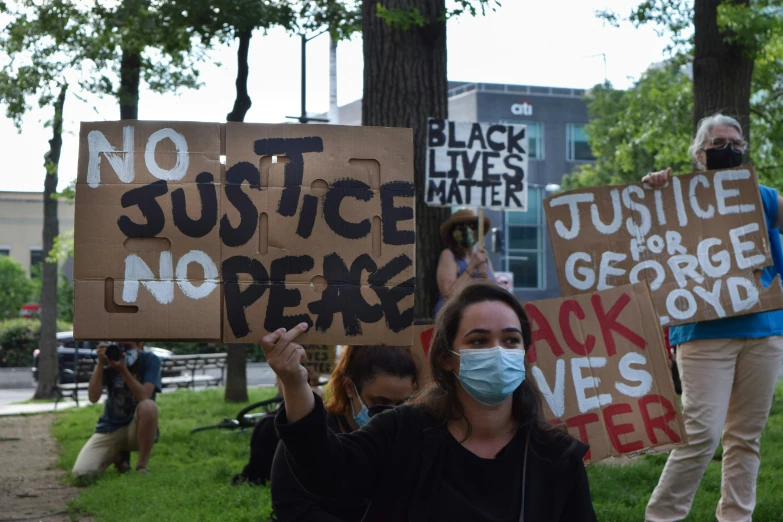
x=524 y=42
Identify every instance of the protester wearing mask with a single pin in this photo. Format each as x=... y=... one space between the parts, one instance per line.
x=474 y=446
x=366 y=381
x=460 y=262
x=130 y=417
x=728 y=367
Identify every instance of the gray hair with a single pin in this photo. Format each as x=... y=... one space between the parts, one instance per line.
x=704 y=131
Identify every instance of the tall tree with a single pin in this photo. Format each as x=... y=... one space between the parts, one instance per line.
x=405 y=83
x=45 y=42
x=141 y=40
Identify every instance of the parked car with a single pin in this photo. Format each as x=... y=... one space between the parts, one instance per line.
x=67 y=350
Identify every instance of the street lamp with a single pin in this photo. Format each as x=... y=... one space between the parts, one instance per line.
x=303 y=118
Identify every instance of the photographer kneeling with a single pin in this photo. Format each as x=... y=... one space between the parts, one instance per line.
x=130 y=416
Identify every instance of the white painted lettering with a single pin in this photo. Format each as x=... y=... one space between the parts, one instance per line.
x=121 y=161
x=582 y=383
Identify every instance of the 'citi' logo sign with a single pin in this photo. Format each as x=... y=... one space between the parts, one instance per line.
x=523 y=108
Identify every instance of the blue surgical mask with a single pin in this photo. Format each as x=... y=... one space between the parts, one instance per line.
x=363 y=417
x=490 y=375
x=131 y=356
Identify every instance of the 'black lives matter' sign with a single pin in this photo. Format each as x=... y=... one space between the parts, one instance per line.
x=476 y=164
x=209 y=231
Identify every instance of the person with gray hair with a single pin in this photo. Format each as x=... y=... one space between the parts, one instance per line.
x=728 y=367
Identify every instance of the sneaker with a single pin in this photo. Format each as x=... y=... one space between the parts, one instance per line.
x=123 y=462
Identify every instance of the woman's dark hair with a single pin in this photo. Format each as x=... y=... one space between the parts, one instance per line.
x=362 y=364
x=440 y=399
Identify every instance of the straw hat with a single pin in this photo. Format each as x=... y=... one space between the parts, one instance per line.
x=459 y=217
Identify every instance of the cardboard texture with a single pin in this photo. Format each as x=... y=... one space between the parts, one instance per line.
x=476 y=165
x=600 y=362
x=423 y=332
x=322 y=358
x=701 y=242
x=302 y=223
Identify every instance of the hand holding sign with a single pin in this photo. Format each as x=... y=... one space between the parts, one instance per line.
x=658 y=179
x=478 y=261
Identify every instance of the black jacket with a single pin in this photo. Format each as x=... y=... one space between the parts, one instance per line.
x=396 y=460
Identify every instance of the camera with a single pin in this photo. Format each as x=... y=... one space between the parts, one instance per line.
x=114 y=352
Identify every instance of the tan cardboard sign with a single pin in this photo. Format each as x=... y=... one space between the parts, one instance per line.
x=423 y=331
x=292 y=224
x=701 y=242
x=600 y=362
x=320 y=357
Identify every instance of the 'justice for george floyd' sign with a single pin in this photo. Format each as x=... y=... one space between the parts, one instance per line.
x=476 y=165
x=700 y=241
x=296 y=224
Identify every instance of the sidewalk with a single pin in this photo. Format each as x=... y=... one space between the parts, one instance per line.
x=7 y=410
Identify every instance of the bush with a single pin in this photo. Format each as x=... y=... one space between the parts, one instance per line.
x=15 y=288
x=19 y=338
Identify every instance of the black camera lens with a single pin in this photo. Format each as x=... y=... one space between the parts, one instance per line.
x=114 y=352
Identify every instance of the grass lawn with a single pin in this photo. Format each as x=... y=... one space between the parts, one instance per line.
x=191 y=473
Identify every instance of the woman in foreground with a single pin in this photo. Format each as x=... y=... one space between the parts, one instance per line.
x=473 y=447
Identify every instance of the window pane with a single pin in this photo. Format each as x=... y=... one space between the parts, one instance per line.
x=5 y=252
x=36 y=262
x=524 y=238
x=535 y=145
x=530 y=217
x=525 y=269
x=578 y=146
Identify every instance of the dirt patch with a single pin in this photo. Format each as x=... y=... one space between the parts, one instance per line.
x=30 y=482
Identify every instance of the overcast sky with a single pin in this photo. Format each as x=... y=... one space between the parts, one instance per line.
x=523 y=42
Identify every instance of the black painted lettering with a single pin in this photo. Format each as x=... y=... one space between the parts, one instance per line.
x=340 y=190
x=436 y=190
x=454 y=143
x=515 y=182
x=145 y=198
x=496 y=145
x=476 y=134
x=248 y=214
x=391 y=296
x=391 y=215
x=281 y=297
x=307 y=216
x=209 y=208
x=486 y=167
x=343 y=295
x=469 y=165
x=434 y=172
x=293 y=148
x=454 y=197
x=236 y=299
x=454 y=155
x=435 y=135
x=513 y=140
x=468 y=184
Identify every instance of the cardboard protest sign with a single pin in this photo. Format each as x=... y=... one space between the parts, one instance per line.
x=599 y=361
x=701 y=242
x=301 y=224
x=476 y=164
x=320 y=357
x=423 y=331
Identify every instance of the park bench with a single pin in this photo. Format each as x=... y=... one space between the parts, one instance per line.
x=83 y=368
x=190 y=370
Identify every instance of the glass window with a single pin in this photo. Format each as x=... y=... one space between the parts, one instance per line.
x=5 y=251
x=578 y=146
x=535 y=137
x=36 y=262
x=525 y=243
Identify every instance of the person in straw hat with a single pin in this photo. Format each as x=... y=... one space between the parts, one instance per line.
x=460 y=262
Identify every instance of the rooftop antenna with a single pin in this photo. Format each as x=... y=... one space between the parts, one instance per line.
x=603 y=55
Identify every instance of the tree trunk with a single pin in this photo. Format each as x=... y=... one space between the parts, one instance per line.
x=47 y=359
x=130 y=76
x=236 y=363
x=404 y=84
x=334 y=110
x=236 y=374
x=242 y=102
x=722 y=71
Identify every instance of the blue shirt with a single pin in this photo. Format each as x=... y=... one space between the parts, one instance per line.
x=120 y=407
x=751 y=326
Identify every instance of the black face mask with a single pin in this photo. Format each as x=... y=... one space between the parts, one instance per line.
x=726 y=158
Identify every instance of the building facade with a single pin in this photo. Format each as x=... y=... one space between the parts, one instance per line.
x=555 y=118
x=21 y=225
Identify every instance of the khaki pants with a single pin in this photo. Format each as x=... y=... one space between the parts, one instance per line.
x=102 y=449
x=727 y=386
